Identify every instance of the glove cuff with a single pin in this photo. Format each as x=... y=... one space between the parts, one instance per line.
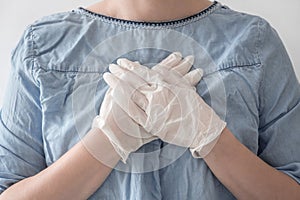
x=203 y=148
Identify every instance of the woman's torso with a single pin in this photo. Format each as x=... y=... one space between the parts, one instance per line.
x=73 y=50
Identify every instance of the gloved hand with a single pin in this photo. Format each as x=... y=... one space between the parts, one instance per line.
x=123 y=131
x=175 y=112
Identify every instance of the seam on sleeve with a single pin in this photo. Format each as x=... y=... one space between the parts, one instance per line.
x=258 y=41
x=33 y=56
x=259 y=47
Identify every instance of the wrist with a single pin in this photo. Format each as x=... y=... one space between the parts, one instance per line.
x=224 y=147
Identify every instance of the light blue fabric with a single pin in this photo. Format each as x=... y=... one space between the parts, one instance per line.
x=55 y=64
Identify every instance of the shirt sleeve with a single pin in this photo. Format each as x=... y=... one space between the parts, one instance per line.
x=21 y=146
x=279 y=131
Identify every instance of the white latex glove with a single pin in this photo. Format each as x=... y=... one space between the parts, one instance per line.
x=123 y=131
x=175 y=112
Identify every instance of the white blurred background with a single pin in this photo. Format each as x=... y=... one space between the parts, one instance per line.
x=284 y=16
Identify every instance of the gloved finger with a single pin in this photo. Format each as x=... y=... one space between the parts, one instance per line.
x=111 y=80
x=178 y=71
x=126 y=124
x=127 y=76
x=172 y=77
x=135 y=81
x=118 y=119
x=142 y=71
x=169 y=62
x=131 y=108
x=129 y=64
x=194 y=76
x=122 y=95
x=185 y=65
x=116 y=70
x=140 y=99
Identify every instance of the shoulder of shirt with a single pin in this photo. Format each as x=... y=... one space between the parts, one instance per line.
x=53 y=34
x=58 y=21
x=243 y=32
x=241 y=18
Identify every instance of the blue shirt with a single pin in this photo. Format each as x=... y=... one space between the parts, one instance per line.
x=56 y=89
